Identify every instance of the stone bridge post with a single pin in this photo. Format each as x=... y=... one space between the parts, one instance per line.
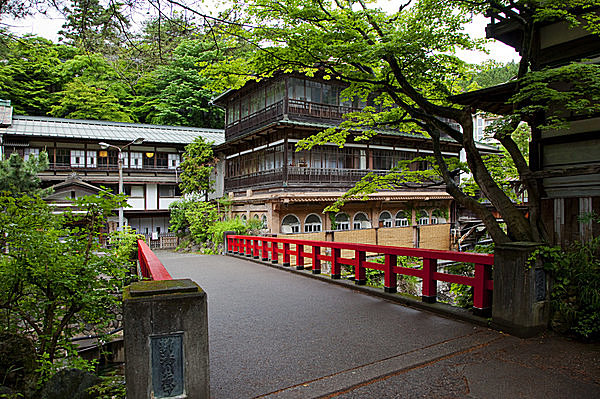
x=520 y=303
x=166 y=340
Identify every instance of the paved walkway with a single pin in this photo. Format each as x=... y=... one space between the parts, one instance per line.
x=281 y=335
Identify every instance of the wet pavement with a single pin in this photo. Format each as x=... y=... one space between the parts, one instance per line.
x=281 y=335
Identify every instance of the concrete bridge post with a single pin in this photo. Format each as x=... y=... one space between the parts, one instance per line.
x=166 y=340
x=521 y=291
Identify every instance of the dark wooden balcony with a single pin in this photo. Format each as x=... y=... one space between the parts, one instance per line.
x=299 y=110
x=299 y=176
x=56 y=167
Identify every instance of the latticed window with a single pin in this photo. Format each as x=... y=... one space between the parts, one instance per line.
x=290 y=224
x=342 y=221
x=361 y=221
x=312 y=224
x=385 y=219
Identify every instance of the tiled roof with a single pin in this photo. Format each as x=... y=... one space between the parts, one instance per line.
x=106 y=131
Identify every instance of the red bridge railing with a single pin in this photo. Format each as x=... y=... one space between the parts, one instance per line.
x=266 y=248
x=151 y=267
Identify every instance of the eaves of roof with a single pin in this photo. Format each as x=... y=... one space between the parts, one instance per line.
x=107 y=131
x=306 y=197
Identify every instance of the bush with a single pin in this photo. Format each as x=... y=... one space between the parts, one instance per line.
x=217 y=229
x=575 y=295
x=201 y=215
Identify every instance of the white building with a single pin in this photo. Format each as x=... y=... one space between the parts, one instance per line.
x=150 y=169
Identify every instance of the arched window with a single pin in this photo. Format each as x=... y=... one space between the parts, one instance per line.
x=244 y=218
x=264 y=221
x=403 y=219
x=385 y=219
x=342 y=221
x=312 y=224
x=422 y=217
x=361 y=221
x=290 y=224
x=438 y=216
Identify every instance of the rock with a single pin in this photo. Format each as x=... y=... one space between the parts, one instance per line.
x=71 y=384
x=17 y=362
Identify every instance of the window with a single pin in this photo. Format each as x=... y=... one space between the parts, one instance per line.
x=63 y=157
x=438 y=216
x=403 y=219
x=135 y=160
x=312 y=224
x=109 y=158
x=296 y=89
x=174 y=161
x=244 y=218
x=149 y=158
x=422 y=218
x=385 y=219
x=168 y=191
x=91 y=159
x=361 y=221
x=264 y=221
x=290 y=224
x=342 y=221
x=161 y=160
x=78 y=158
x=28 y=152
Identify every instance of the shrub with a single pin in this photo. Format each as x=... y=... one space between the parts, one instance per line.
x=575 y=295
x=200 y=216
x=217 y=229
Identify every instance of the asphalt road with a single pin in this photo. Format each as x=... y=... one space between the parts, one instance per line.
x=282 y=335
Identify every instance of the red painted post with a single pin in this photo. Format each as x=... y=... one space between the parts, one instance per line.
x=482 y=298
x=274 y=252
x=429 y=292
x=265 y=251
x=229 y=244
x=255 y=248
x=336 y=269
x=316 y=262
x=299 y=257
x=390 y=278
x=360 y=275
x=248 y=247
x=286 y=254
x=234 y=245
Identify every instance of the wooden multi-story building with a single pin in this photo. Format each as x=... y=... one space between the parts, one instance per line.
x=150 y=169
x=267 y=178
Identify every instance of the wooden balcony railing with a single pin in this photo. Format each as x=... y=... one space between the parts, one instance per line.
x=294 y=109
x=108 y=168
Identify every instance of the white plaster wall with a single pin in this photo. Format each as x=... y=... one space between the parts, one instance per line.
x=135 y=203
x=163 y=203
x=151 y=196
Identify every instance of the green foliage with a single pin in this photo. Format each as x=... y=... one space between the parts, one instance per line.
x=575 y=294
x=81 y=101
x=111 y=387
x=30 y=73
x=546 y=91
x=197 y=166
x=200 y=216
x=19 y=177
x=241 y=227
x=463 y=294
x=177 y=94
x=54 y=277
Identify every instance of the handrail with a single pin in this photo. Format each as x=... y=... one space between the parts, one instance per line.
x=267 y=248
x=150 y=266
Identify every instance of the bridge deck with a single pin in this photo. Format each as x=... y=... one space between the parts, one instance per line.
x=279 y=334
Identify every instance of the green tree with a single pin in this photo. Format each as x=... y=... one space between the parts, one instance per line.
x=177 y=94
x=29 y=73
x=19 y=177
x=197 y=166
x=54 y=278
x=93 y=27
x=79 y=100
x=405 y=63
